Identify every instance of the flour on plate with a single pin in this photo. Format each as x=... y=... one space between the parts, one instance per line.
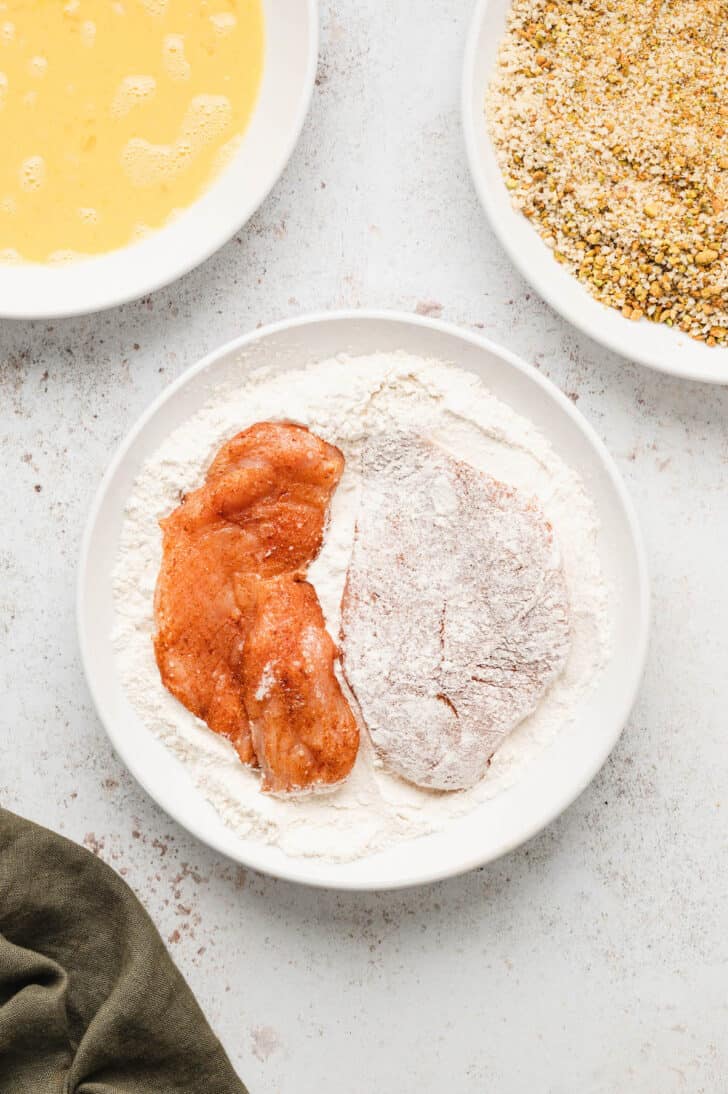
x=346 y=400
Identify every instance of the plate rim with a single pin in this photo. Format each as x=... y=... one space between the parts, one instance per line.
x=178 y=266
x=295 y=869
x=543 y=285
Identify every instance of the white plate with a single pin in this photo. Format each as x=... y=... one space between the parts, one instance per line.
x=651 y=344
x=291 y=55
x=556 y=776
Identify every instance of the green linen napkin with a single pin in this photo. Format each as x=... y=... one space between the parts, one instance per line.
x=90 y=1001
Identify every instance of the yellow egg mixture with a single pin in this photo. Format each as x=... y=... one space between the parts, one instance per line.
x=116 y=113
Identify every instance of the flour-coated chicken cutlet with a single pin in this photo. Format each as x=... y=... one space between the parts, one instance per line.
x=455 y=616
x=302 y=727
x=261 y=512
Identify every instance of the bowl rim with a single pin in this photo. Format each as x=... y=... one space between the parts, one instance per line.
x=294 y=869
x=547 y=288
x=180 y=262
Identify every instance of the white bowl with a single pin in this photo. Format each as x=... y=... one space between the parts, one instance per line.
x=556 y=776
x=656 y=346
x=30 y=291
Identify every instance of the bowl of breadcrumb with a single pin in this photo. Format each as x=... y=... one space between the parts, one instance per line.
x=597 y=137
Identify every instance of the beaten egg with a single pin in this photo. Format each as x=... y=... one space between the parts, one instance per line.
x=116 y=114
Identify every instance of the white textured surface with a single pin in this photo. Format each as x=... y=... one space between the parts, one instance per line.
x=594 y=959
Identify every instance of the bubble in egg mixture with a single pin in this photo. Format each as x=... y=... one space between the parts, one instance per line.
x=156 y=8
x=140 y=232
x=173 y=57
x=38 y=66
x=132 y=91
x=3 y=89
x=89 y=215
x=88 y=32
x=32 y=173
x=63 y=256
x=207 y=119
x=147 y=164
x=226 y=154
x=223 y=22
x=7 y=32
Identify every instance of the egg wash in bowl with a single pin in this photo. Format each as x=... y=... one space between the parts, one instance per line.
x=115 y=115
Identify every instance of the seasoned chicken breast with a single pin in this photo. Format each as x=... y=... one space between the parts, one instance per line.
x=260 y=514
x=302 y=727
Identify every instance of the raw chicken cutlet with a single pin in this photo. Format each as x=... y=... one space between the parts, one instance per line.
x=455 y=615
x=232 y=552
x=302 y=727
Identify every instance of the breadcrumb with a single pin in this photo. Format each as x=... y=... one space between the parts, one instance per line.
x=610 y=123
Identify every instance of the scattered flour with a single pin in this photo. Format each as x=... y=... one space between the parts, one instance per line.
x=346 y=400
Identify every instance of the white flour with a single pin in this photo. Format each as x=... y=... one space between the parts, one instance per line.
x=344 y=400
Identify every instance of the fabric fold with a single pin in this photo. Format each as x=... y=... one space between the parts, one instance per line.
x=90 y=1000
